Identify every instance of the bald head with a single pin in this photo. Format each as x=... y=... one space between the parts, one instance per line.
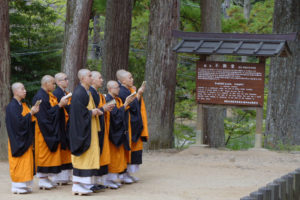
x=125 y=78
x=121 y=74
x=113 y=88
x=97 y=80
x=48 y=83
x=85 y=77
x=46 y=79
x=61 y=80
x=16 y=86
x=18 y=90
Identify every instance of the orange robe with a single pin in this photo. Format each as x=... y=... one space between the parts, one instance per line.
x=21 y=168
x=46 y=160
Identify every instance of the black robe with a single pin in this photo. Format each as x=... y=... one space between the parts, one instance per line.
x=20 y=128
x=118 y=131
x=96 y=99
x=136 y=120
x=64 y=139
x=80 y=122
x=49 y=120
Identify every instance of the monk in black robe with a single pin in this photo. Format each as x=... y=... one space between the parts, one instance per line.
x=48 y=131
x=118 y=137
x=84 y=138
x=64 y=176
x=100 y=103
x=20 y=128
x=136 y=120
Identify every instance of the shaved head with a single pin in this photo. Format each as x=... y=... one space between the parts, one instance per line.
x=82 y=73
x=111 y=84
x=95 y=74
x=46 y=79
x=16 y=86
x=18 y=90
x=121 y=74
x=61 y=80
x=48 y=83
x=59 y=76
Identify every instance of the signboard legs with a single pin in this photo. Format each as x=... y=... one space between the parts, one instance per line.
x=259 y=127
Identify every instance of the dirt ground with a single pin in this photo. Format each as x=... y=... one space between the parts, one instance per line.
x=200 y=174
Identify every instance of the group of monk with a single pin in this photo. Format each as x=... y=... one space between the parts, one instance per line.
x=93 y=140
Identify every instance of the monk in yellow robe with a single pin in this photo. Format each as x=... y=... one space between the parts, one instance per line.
x=20 y=128
x=136 y=120
x=47 y=133
x=100 y=103
x=84 y=138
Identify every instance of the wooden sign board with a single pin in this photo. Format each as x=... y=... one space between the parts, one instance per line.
x=230 y=83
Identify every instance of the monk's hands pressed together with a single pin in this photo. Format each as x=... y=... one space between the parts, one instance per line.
x=108 y=107
x=63 y=102
x=128 y=100
x=96 y=112
x=35 y=109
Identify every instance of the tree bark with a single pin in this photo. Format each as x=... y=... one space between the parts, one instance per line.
x=283 y=108
x=76 y=39
x=161 y=72
x=4 y=74
x=116 y=37
x=213 y=124
x=96 y=49
x=247 y=9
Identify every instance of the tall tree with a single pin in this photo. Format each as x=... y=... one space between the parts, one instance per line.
x=161 y=72
x=4 y=74
x=283 y=108
x=76 y=39
x=213 y=125
x=116 y=37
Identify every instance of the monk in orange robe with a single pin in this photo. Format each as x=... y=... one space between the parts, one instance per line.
x=20 y=127
x=48 y=133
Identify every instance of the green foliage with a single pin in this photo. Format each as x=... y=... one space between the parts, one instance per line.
x=36 y=42
x=99 y=6
x=260 y=19
x=184 y=135
x=239 y=126
x=190 y=18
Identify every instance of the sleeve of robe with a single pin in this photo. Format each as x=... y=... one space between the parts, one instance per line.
x=80 y=122
x=49 y=122
x=117 y=130
x=64 y=137
x=135 y=114
x=20 y=129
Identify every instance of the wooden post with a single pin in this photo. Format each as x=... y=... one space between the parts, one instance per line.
x=275 y=190
x=282 y=188
x=266 y=193
x=259 y=118
x=257 y=195
x=200 y=120
x=199 y=127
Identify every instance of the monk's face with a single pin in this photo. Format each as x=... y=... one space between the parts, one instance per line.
x=50 y=85
x=128 y=80
x=98 y=80
x=20 y=92
x=87 y=79
x=63 y=82
x=115 y=89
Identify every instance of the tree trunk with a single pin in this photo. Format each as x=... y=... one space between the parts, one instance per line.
x=116 y=37
x=4 y=74
x=76 y=39
x=96 y=49
x=213 y=125
x=247 y=9
x=283 y=108
x=161 y=72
